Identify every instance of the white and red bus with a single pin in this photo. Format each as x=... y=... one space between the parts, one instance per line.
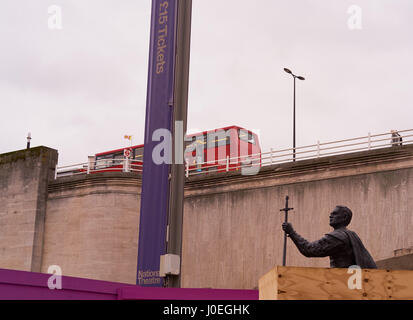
x=224 y=149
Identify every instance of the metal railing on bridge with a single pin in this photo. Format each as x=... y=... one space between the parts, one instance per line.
x=318 y=150
x=103 y=165
x=314 y=151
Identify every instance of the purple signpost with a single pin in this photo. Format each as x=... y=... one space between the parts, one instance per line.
x=159 y=115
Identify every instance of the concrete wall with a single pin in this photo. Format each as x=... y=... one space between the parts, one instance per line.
x=232 y=223
x=92 y=226
x=24 y=177
x=404 y=262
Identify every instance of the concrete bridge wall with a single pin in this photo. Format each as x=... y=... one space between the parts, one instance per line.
x=92 y=226
x=24 y=177
x=232 y=223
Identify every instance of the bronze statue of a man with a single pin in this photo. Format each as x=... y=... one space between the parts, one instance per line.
x=343 y=246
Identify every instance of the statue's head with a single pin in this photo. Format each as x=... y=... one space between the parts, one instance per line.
x=340 y=217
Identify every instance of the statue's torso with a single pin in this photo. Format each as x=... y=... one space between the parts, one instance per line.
x=344 y=256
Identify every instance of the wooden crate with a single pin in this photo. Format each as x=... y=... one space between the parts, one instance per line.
x=297 y=283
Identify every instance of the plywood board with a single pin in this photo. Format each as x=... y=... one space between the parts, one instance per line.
x=299 y=283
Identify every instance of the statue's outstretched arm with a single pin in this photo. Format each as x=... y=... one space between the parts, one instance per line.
x=323 y=247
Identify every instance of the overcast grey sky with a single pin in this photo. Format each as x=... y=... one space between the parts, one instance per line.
x=80 y=89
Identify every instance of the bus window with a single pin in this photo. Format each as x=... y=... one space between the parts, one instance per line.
x=138 y=154
x=218 y=139
x=197 y=141
x=246 y=136
x=118 y=157
x=190 y=145
x=104 y=161
x=200 y=140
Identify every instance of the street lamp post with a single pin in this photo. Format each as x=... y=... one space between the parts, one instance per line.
x=300 y=78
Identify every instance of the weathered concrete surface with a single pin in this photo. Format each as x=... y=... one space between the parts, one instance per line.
x=404 y=262
x=92 y=226
x=403 y=251
x=24 y=177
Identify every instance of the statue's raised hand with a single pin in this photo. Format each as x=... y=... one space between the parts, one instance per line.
x=287 y=227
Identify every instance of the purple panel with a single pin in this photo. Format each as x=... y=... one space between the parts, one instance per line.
x=155 y=183
x=129 y=293
x=23 y=285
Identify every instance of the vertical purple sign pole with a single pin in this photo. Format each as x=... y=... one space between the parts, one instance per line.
x=155 y=176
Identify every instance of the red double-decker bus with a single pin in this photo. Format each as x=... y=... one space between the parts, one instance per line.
x=224 y=149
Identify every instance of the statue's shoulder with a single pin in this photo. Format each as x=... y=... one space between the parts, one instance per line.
x=340 y=234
